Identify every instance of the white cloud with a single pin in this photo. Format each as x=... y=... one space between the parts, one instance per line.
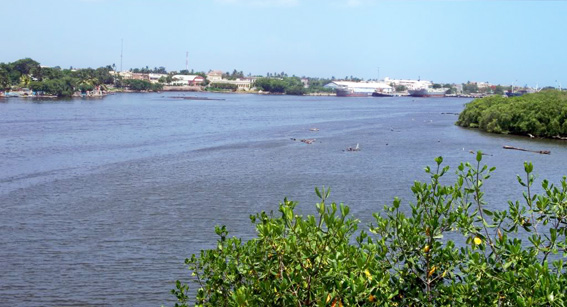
x=264 y=3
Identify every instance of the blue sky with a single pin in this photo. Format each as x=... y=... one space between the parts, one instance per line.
x=502 y=42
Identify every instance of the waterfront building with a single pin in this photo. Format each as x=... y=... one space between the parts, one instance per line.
x=408 y=83
x=214 y=75
x=359 y=89
x=154 y=78
x=140 y=76
x=243 y=84
x=190 y=80
x=379 y=86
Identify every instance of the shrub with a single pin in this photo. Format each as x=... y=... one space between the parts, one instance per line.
x=404 y=258
x=223 y=86
x=541 y=114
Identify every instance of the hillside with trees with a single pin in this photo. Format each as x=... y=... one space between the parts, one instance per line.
x=542 y=114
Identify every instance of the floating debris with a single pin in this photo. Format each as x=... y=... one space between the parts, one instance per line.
x=306 y=141
x=194 y=98
x=543 y=152
x=484 y=154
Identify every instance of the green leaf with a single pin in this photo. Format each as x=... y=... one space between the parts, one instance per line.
x=528 y=167
x=317 y=192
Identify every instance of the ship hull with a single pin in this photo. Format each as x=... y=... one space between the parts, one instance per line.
x=426 y=93
x=353 y=93
x=378 y=94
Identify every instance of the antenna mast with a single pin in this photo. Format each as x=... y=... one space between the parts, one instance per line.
x=187 y=61
x=121 y=52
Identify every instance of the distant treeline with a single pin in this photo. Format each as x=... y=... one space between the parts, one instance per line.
x=292 y=85
x=542 y=114
x=27 y=73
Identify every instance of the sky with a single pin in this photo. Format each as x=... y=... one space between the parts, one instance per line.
x=451 y=41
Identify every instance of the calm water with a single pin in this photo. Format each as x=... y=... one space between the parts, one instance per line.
x=102 y=200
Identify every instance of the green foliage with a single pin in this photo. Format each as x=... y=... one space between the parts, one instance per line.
x=53 y=81
x=147 y=70
x=448 y=248
x=499 y=90
x=26 y=67
x=64 y=87
x=317 y=85
x=541 y=114
x=283 y=85
x=401 y=88
x=234 y=75
x=223 y=86
x=142 y=85
x=469 y=88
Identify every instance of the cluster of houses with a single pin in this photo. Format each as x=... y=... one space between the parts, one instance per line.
x=213 y=76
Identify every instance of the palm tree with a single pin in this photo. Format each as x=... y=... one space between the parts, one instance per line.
x=25 y=81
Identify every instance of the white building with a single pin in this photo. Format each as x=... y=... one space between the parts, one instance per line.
x=379 y=86
x=408 y=83
x=214 y=75
x=244 y=84
x=154 y=78
x=187 y=80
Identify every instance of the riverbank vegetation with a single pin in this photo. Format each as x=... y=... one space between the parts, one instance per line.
x=292 y=85
x=142 y=85
x=447 y=248
x=222 y=87
x=27 y=73
x=281 y=85
x=542 y=114
x=55 y=81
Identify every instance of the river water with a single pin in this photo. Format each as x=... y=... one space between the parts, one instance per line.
x=102 y=200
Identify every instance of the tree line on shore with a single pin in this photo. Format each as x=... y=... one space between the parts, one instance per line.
x=447 y=248
x=292 y=85
x=27 y=73
x=542 y=114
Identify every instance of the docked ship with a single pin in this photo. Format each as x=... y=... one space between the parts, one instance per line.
x=354 y=92
x=516 y=94
x=427 y=92
x=358 y=89
x=380 y=94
